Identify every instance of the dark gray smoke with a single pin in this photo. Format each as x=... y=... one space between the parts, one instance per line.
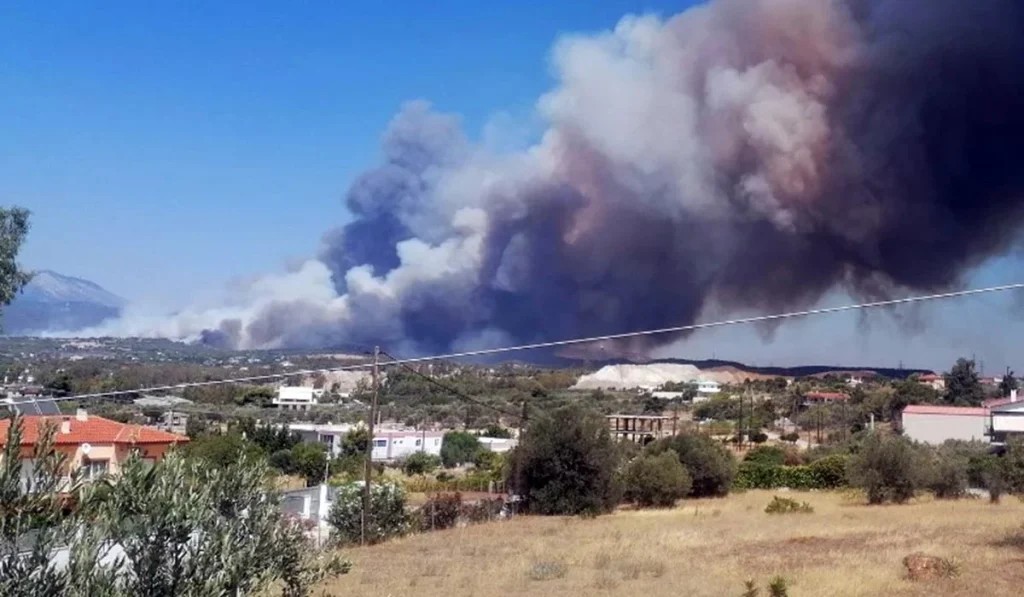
x=745 y=154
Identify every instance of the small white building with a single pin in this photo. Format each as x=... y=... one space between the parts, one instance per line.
x=707 y=386
x=297 y=397
x=1006 y=418
x=395 y=445
x=329 y=435
x=498 y=444
x=388 y=444
x=933 y=424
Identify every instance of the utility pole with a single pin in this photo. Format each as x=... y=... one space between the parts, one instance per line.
x=739 y=425
x=368 y=469
x=519 y=460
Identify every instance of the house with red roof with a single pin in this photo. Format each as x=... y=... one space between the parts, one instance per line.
x=935 y=382
x=811 y=398
x=94 y=446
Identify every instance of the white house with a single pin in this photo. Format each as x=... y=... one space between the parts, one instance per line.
x=395 y=445
x=933 y=424
x=1006 y=417
x=297 y=397
x=328 y=434
x=388 y=444
x=706 y=389
x=498 y=444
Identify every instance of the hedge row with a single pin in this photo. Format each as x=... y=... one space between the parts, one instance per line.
x=827 y=473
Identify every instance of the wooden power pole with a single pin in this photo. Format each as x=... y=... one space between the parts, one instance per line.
x=519 y=461
x=368 y=468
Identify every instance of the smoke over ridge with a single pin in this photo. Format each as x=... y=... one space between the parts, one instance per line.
x=747 y=154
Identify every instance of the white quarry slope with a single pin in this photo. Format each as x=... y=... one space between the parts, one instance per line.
x=636 y=376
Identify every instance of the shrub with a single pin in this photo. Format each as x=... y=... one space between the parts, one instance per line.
x=283 y=461
x=750 y=589
x=947 y=477
x=759 y=437
x=790 y=437
x=310 y=461
x=459 y=447
x=488 y=461
x=781 y=505
x=711 y=466
x=778 y=587
x=420 y=463
x=830 y=472
x=766 y=455
x=793 y=458
x=566 y=463
x=441 y=511
x=387 y=517
x=657 y=480
x=827 y=473
x=547 y=571
x=887 y=468
x=483 y=510
x=991 y=475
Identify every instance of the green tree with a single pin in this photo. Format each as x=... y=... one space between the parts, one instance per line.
x=963 y=386
x=13 y=230
x=566 y=464
x=654 y=405
x=310 y=461
x=420 y=463
x=888 y=469
x=184 y=526
x=387 y=517
x=656 y=480
x=221 y=449
x=1008 y=384
x=284 y=461
x=497 y=431
x=710 y=465
x=356 y=442
x=459 y=447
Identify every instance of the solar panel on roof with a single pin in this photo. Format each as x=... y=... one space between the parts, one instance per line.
x=35 y=407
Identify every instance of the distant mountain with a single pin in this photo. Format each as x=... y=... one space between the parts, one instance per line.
x=55 y=303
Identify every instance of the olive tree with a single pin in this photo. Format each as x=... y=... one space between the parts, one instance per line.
x=178 y=527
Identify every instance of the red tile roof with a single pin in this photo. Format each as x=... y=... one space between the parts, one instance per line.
x=826 y=396
x=93 y=430
x=931 y=409
x=929 y=377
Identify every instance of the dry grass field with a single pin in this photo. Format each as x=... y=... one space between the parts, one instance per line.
x=707 y=548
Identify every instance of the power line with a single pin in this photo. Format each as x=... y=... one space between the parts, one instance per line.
x=455 y=392
x=569 y=342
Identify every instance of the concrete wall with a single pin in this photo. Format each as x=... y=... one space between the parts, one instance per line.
x=935 y=429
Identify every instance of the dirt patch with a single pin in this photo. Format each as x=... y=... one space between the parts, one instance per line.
x=925 y=567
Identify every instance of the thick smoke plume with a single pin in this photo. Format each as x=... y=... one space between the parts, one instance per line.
x=745 y=154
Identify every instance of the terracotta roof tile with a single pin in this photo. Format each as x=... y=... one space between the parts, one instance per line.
x=93 y=430
x=932 y=409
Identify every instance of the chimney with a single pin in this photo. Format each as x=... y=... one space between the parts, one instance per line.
x=81 y=415
x=65 y=426
x=1013 y=395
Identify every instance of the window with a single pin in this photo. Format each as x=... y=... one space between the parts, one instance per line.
x=94 y=470
x=418 y=443
x=380 y=443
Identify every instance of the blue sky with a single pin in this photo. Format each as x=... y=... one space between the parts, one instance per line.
x=165 y=148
